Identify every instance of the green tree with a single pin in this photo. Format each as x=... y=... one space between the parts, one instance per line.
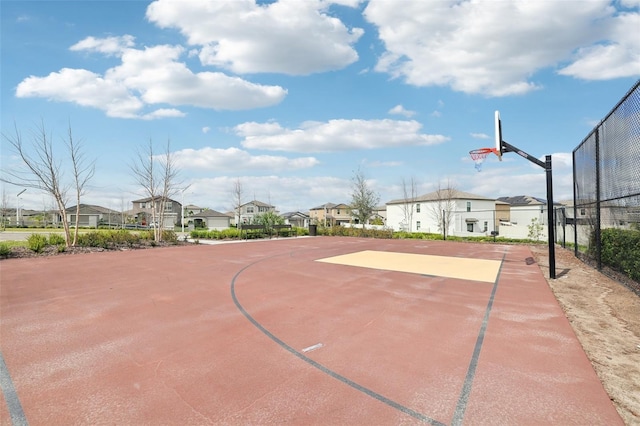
x=535 y=229
x=363 y=198
x=268 y=219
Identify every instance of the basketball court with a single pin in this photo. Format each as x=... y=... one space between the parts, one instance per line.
x=322 y=330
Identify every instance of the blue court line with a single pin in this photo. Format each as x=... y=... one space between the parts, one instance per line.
x=321 y=367
x=11 y=396
x=461 y=407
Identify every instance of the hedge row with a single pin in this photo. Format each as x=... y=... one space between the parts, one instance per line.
x=231 y=234
x=104 y=239
x=343 y=231
x=620 y=250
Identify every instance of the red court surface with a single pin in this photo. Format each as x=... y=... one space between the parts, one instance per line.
x=262 y=333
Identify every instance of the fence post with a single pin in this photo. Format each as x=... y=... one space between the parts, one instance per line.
x=597 y=235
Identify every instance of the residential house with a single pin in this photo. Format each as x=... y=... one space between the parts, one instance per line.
x=211 y=219
x=192 y=209
x=92 y=216
x=525 y=208
x=525 y=211
x=143 y=211
x=297 y=219
x=503 y=213
x=248 y=211
x=330 y=214
x=380 y=213
x=466 y=214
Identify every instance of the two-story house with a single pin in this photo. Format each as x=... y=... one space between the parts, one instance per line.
x=143 y=211
x=456 y=212
x=330 y=214
x=248 y=211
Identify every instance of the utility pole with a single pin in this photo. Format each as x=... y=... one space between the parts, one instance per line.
x=18 y=207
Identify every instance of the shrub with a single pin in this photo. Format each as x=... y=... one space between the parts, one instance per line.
x=621 y=251
x=169 y=236
x=93 y=239
x=5 y=250
x=226 y=234
x=36 y=242
x=56 y=239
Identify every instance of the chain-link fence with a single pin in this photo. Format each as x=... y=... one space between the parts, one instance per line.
x=606 y=174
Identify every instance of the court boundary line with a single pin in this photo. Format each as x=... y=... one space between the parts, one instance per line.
x=16 y=413
x=461 y=406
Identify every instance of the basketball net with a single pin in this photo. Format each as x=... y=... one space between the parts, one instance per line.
x=480 y=154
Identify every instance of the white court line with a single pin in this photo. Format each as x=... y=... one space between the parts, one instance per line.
x=313 y=348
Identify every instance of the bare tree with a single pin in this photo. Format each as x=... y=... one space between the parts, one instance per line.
x=444 y=207
x=83 y=172
x=43 y=171
x=363 y=198
x=237 y=196
x=410 y=193
x=4 y=207
x=144 y=175
x=160 y=188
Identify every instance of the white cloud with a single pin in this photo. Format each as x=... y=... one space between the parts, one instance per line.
x=108 y=46
x=163 y=113
x=400 y=110
x=335 y=135
x=376 y=163
x=480 y=136
x=244 y=37
x=620 y=57
x=84 y=88
x=206 y=129
x=145 y=78
x=232 y=159
x=493 y=48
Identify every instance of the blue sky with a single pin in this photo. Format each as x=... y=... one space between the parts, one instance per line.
x=292 y=97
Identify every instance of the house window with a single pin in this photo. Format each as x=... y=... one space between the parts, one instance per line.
x=486 y=226
x=583 y=212
x=262 y=209
x=418 y=224
x=470 y=227
x=468 y=206
x=168 y=207
x=417 y=208
x=250 y=209
x=143 y=205
x=338 y=211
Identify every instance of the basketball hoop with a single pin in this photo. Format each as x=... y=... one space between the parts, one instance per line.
x=480 y=154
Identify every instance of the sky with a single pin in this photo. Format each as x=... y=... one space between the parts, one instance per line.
x=292 y=98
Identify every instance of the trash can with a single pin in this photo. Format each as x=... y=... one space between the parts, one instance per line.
x=313 y=229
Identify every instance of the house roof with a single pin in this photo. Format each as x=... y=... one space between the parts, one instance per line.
x=525 y=200
x=90 y=208
x=257 y=203
x=210 y=213
x=324 y=206
x=439 y=195
x=144 y=200
x=289 y=215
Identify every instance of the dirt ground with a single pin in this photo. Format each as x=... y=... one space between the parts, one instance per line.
x=605 y=316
